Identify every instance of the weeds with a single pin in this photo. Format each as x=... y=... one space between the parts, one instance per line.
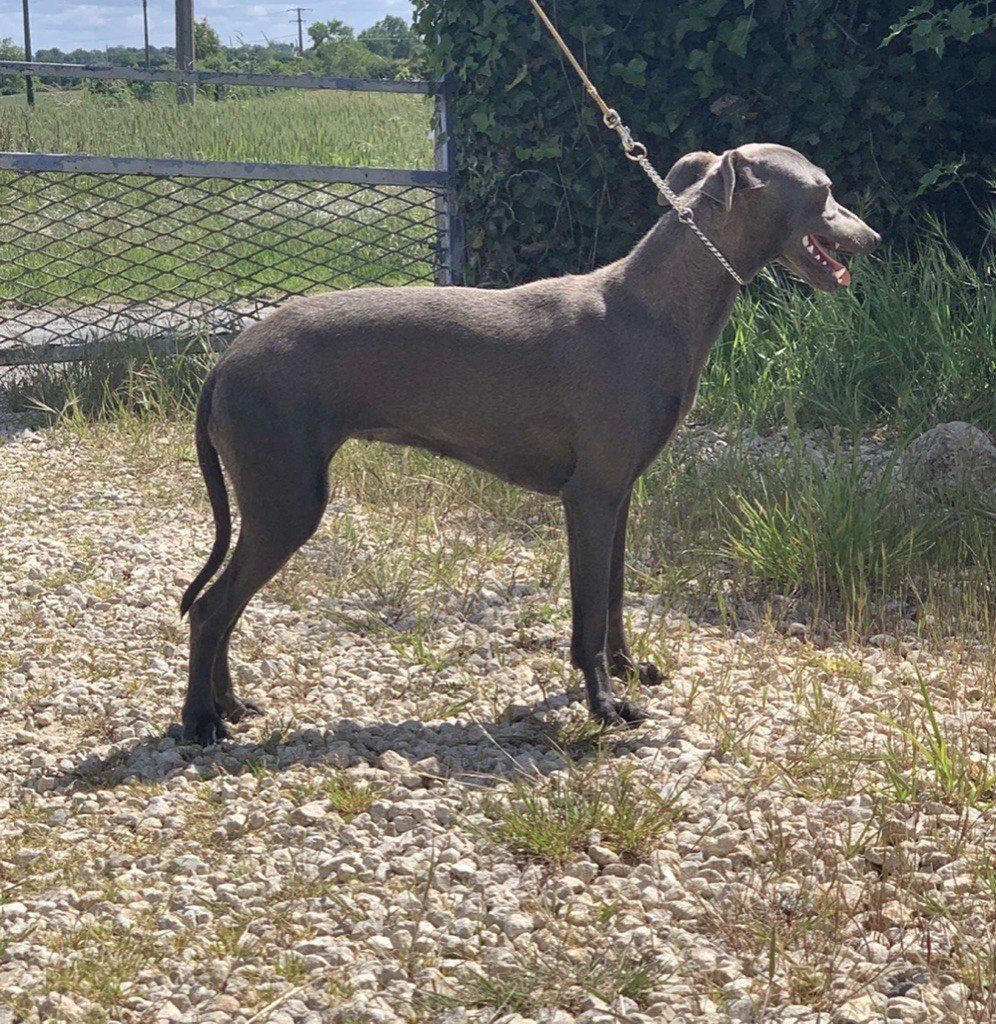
x=537 y=981
x=953 y=774
x=120 y=381
x=553 y=820
x=910 y=345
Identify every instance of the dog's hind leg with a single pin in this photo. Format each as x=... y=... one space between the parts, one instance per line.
x=621 y=662
x=226 y=702
x=282 y=507
x=591 y=516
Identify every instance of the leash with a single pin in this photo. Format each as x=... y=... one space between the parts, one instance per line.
x=635 y=151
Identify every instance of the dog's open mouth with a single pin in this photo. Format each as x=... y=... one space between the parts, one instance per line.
x=816 y=246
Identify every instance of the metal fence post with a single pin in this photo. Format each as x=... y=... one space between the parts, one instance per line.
x=449 y=268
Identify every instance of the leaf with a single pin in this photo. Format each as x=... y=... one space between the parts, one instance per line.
x=520 y=77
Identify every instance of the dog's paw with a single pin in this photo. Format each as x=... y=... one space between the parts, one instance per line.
x=204 y=728
x=619 y=713
x=630 y=713
x=237 y=710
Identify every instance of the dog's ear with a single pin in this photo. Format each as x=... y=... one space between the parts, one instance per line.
x=691 y=168
x=731 y=173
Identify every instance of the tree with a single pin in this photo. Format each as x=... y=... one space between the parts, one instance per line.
x=206 y=41
x=390 y=37
x=11 y=84
x=329 y=32
x=349 y=58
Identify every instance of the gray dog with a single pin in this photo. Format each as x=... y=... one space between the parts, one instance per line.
x=568 y=386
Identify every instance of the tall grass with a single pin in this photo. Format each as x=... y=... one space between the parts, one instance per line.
x=116 y=381
x=912 y=343
x=294 y=126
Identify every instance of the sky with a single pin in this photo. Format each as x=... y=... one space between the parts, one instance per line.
x=70 y=25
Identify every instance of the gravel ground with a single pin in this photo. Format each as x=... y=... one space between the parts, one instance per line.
x=422 y=826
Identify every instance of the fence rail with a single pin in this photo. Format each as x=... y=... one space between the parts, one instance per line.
x=178 y=77
x=165 y=167
x=174 y=251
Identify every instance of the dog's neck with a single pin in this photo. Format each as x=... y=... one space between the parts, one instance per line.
x=670 y=271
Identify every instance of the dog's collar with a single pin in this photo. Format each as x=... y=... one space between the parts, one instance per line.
x=637 y=152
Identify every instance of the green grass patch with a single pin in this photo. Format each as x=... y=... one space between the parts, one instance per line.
x=71 y=241
x=118 y=381
x=291 y=125
x=910 y=344
x=552 y=820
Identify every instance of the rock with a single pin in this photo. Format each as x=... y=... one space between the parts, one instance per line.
x=602 y=855
x=191 y=865
x=860 y=1010
x=741 y=1009
x=395 y=763
x=517 y=924
x=905 y=1009
x=308 y=814
x=955 y=996
x=951 y=457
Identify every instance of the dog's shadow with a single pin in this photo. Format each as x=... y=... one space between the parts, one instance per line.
x=523 y=743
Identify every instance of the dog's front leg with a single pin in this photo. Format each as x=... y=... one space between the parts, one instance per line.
x=591 y=516
x=621 y=661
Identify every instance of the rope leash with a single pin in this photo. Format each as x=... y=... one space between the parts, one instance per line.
x=635 y=151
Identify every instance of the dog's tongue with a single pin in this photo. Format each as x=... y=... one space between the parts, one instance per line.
x=840 y=272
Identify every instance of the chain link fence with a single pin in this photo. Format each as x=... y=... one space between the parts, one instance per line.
x=96 y=249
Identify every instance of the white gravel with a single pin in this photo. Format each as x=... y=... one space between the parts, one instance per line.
x=342 y=861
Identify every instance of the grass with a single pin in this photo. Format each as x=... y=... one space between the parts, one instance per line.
x=76 y=242
x=552 y=820
x=909 y=345
x=927 y=761
x=536 y=982
x=288 y=126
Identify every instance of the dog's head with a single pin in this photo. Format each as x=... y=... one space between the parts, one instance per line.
x=782 y=207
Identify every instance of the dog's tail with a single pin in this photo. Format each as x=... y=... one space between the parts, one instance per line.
x=210 y=464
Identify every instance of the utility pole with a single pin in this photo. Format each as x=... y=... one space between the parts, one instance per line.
x=300 y=34
x=185 y=92
x=145 y=23
x=29 y=85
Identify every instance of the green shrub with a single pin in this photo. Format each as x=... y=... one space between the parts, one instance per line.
x=545 y=188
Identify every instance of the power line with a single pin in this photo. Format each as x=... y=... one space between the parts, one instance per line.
x=300 y=30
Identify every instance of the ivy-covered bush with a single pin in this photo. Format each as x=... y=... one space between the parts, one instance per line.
x=901 y=126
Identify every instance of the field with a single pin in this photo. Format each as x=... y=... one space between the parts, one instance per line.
x=130 y=250
x=290 y=126
x=423 y=826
